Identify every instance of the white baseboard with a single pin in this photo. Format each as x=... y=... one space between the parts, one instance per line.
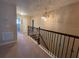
x=2 y=44
x=46 y=51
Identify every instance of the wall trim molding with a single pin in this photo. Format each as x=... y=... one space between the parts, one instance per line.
x=2 y=44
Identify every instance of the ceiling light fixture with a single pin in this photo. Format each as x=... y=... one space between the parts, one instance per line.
x=21 y=13
x=45 y=15
x=44 y=18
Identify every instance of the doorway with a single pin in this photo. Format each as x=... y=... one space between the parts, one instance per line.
x=18 y=23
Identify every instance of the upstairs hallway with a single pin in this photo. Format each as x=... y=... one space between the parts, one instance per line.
x=23 y=48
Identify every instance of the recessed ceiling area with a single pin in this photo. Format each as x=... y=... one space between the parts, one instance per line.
x=34 y=7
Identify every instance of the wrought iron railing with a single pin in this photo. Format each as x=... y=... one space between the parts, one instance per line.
x=59 y=44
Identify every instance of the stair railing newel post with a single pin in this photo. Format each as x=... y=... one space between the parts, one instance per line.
x=28 y=30
x=39 y=35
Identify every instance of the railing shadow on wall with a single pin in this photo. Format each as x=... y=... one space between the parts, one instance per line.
x=59 y=44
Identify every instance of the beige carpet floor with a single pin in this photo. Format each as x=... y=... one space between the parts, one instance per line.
x=23 y=48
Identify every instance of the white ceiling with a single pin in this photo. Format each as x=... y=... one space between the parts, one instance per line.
x=9 y=1
x=35 y=7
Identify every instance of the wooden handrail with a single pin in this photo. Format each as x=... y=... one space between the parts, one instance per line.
x=60 y=33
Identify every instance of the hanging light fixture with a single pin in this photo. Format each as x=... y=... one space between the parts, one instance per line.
x=44 y=17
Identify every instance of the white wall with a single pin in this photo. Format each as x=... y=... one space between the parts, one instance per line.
x=7 y=22
x=25 y=22
x=65 y=19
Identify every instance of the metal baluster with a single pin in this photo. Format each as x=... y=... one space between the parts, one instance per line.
x=63 y=46
x=40 y=37
x=44 y=36
x=67 y=46
x=77 y=52
x=72 y=48
x=56 y=43
x=47 y=38
x=59 y=46
x=51 y=43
